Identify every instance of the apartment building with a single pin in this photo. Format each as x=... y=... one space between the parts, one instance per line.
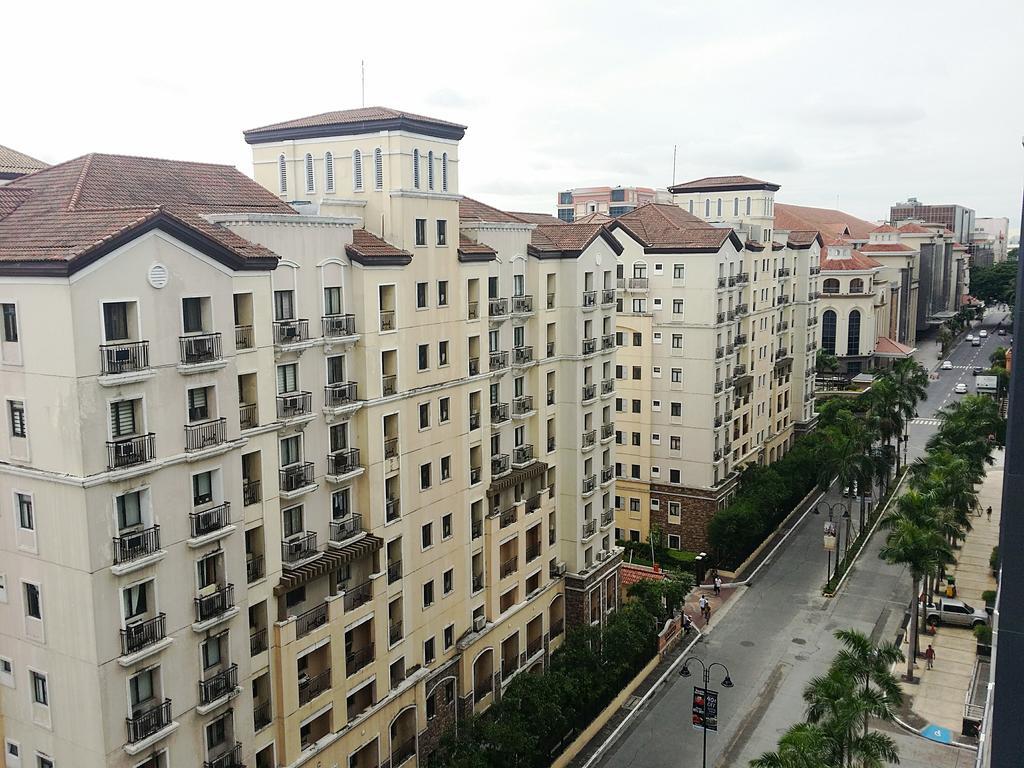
x=717 y=315
x=313 y=490
x=578 y=203
x=958 y=219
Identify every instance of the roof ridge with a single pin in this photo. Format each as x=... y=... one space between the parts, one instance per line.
x=80 y=183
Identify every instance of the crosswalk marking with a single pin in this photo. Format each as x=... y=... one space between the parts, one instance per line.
x=927 y=422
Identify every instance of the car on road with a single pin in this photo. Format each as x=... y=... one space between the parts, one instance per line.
x=1002 y=331
x=947 y=365
x=976 y=343
x=977 y=371
x=970 y=337
x=957 y=613
x=960 y=389
x=983 y=334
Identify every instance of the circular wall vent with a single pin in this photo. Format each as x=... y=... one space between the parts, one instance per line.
x=157 y=276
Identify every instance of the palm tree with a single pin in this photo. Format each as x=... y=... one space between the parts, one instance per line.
x=838 y=704
x=887 y=409
x=870 y=665
x=804 y=745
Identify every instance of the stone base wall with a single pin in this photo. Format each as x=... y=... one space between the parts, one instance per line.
x=697 y=507
x=601 y=583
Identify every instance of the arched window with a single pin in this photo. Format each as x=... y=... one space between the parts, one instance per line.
x=416 y=168
x=719 y=211
x=856 y=285
x=430 y=169
x=748 y=206
x=444 y=172
x=853 y=333
x=707 y=208
x=282 y=173
x=310 y=177
x=329 y=171
x=830 y=285
x=378 y=168
x=828 y=331
x=357 y=171
x=735 y=206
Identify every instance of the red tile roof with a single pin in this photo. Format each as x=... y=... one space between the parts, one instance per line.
x=366 y=248
x=885 y=228
x=594 y=218
x=828 y=221
x=802 y=238
x=567 y=239
x=913 y=228
x=722 y=183
x=362 y=119
x=474 y=250
x=664 y=227
x=474 y=210
x=887 y=347
x=855 y=262
x=536 y=218
x=55 y=218
x=14 y=163
x=885 y=247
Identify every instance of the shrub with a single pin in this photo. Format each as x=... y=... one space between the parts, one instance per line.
x=993 y=559
x=989 y=596
x=983 y=633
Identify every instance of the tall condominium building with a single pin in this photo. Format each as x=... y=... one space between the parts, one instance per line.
x=295 y=474
x=575 y=204
x=717 y=320
x=958 y=219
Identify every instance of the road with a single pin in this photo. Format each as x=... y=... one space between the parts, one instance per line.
x=778 y=634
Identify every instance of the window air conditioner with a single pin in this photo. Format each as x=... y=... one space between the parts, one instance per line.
x=479 y=622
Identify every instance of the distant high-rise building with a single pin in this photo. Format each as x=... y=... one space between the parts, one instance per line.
x=990 y=240
x=574 y=204
x=958 y=219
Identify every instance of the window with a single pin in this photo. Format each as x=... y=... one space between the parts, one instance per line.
x=421 y=295
x=442 y=353
x=378 y=169
x=284 y=305
x=129 y=510
x=636 y=406
x=135 y=599
x=718 y=212
x=10 y=315
x=442 y=232
x=735 y=206
x=444 y=172
x=678 y=272
x=198 y=404
x=634 y=504
x=282 y=174
x=423 y=356
x=830 y=285
x=427 y=535
x=421 y=231
x=444 y=410
x=677 y=341
x=26 y=519
x=329 y=172
x=690 y=207
x=676 y=409
x=446 y=468
x=446 y=526
x=430 y=170
x=828 y=331
x=677 y=306
x=677 y=375
x=424 y=476
x=638 y=339
x=674 y=443
x=287 y=378
x=856 y=285
x=748 y=206
x=33 y=603
x=442 y=293
x=449 y=641
x=707 y=208
x=416 y=169
x=357 y=171
x=16 y=409
x=40 y=691
x=424 y=410
x=636 y=372
x=428 y=594
x=310 y=177
x=428 y=651
x=291 y=452
x=655 y=438
x=291 y=521
x=853 y=333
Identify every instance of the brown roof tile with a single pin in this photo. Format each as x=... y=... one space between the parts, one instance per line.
x=368 y=249
x=474 y=210
x=913 y=228
x=828 y=221
x=885 y=247
x=662 y=226
x=473 y=250
x=855 y=262
x=722 y=183
x=14 y=163
x=536 y=218
x=361 y=119
x=802 y=238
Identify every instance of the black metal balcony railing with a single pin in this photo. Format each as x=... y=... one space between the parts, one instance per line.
x=390 y=446
x=522 y=304
x=499 y=464
x=149 y=721
x=218 y=686
x=248 y=416
x=142 y=634
x=719 y=386
x=812 y=321
x=550 y=349
x=588 y=438
x=740 y=340
x=261 y=715
x=506 y=518
x=343 y=462
x=243 y=337
x=294 y=404
x=740 y=370
x=589 y=346
x=532 y=551
x=741 y=309
x=232 y=758
x=551 y=397
x=522 y=454
x=200 y=348
x=719 y=352
x=291 y=331
x=589 y=528
x=607 y=296
x=718 y=421
x=296 y=477
x=216 y=603
x=356 y=659
x=388 y=384
x=477 y=528
x=721 y=282
x=394 y=632
x=589 y=483
x=607 y=516
x=607 y=386
x=499 y=413
x=551 y=301
x=474 y=420
x=522 y=355
x=210 y=520
x=607 y=431
x=335 y=326
x=590 y=298
x=136 y=544
x=311 y=687
x=509 y=566
x=394 y=571
x=257 y=642
x=497 y=307
x=299 y=547
x=474 y=366
x=341 y=394
x=785 y=272
x=403 y=751
x=497 y=361
x=732 y=281
x=557 y=627
x=205 y=434
x=551 y=444
x=533 y=503
x=309 y=620
x=742 y=277
x=129 y=451
x=522 y=404
x=473 y=310
x=607 y=474
x=124 y=357
x=255 y=568
x=478 y=582
x=346 y=528
x=387 y=320
x=392 y=510
x=252 y=492
x=357 y=595
x=588 y=392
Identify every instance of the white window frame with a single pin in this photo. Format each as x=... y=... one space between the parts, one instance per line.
x=282 y=174
x=357 y=171
x=378 y=169
x=310 y=168
x=328 y=171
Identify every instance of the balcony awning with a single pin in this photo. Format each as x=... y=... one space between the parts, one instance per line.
x=329 y=561
x=517 y=476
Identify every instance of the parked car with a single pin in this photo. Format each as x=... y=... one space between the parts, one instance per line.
x=957 y=613
x=960 y=389
x=947 y=365
x=983 y=334
x=1002 y=331
x=977 y=371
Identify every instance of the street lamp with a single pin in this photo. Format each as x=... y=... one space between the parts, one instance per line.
x=830 y=507
x=906 y=444
x=706 y=710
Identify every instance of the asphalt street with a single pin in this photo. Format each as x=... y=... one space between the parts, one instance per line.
x=778 y=634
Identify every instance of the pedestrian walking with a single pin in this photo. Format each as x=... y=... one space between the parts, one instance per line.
x=929 y=657
x=718 y=584
x=707 y=613
x=989 y=513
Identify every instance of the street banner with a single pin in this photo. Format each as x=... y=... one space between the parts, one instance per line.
x=830 y=536
x=705 y=709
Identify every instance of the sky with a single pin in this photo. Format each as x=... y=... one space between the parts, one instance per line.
x=855 y=105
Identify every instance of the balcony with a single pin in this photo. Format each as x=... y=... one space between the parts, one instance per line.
x=732 y=281
x=358 y=595
x=717 y=421
x=394 y=571
x=740 y=340
x=815 y=270
x=205 y=434
x=588 y=392
x=474 y=420
x=252 y=491
x=784 y=325
x=607 y=474
x=533 y=504
x=248 y=416
x=294 y=405
x=346 y=528
x=148 y=722
x=551 y=397
x=473 y=310
x=589 y=484
x=403 y=751
x=230 y=759
x=130 y=451
x=727 y=416
x=717 y=455
x=551 y=349
x=785 y=272
x=394 y=632
x=721 y=282
x=215 y=604
x=739 y=370
x=522 y=305
x=522 y=355
x=298 y=549
x=719 y=386
x=608 y=431
x=589 y=528
x=719 y=353
x=532 y=551
x=474 y=366
x=607 y=342
x=780 y=353
x=124 y=358
x=477 y=529
x=311 y=687
x=588 y=438
x=312 y=619
x=607 y=517
x=387 y=320
x=359 y=658
x=497 y=308
x=338 y=326
x=142 y=634
x=588 y=347
x=255 y=568
x=497 y=361
x=244 y=337
x=811 y=346
x=136 y=545
x=388 y=385
x=218 y=686
x=288 y=332
x=392 y=510
x=509 y=567
x=607 y=297
x=209 y=521
x=343 y=462
x=341 y=395
x=742 y=309
x=607 y=387
x=742 y=278
x=780 y=300
x=720 y=318
x=499 y=464
x=296 y=477
x=551 y=444
x=811 y=321
x=637 y=284
x=507 y=518
x=522 y=455
x=257 y=642
x=522 y=405
x=200 y=349
x=499 y=413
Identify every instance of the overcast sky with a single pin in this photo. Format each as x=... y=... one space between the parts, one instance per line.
x=859 y=104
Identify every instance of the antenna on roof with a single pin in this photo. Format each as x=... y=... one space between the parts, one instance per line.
x=674 y=148
x=362 y=78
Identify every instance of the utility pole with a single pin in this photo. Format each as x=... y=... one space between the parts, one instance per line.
x=675 y=147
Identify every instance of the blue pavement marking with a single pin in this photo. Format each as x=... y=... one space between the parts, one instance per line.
x=937 y=733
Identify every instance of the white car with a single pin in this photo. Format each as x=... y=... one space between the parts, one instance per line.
x=947 y=365
x=983 y=334
x=970 y=337
x=960 y=389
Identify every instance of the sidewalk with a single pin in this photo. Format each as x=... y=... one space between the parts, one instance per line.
x=939 y=697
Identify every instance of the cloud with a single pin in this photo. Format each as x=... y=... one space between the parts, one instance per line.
x=447 y=98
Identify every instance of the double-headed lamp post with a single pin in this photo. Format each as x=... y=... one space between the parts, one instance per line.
x=831 y=508
x=726 y=683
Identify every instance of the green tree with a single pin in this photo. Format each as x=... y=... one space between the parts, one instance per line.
x=998 y=357
x=996 y=283
x=804 y=745
x=870 y=666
